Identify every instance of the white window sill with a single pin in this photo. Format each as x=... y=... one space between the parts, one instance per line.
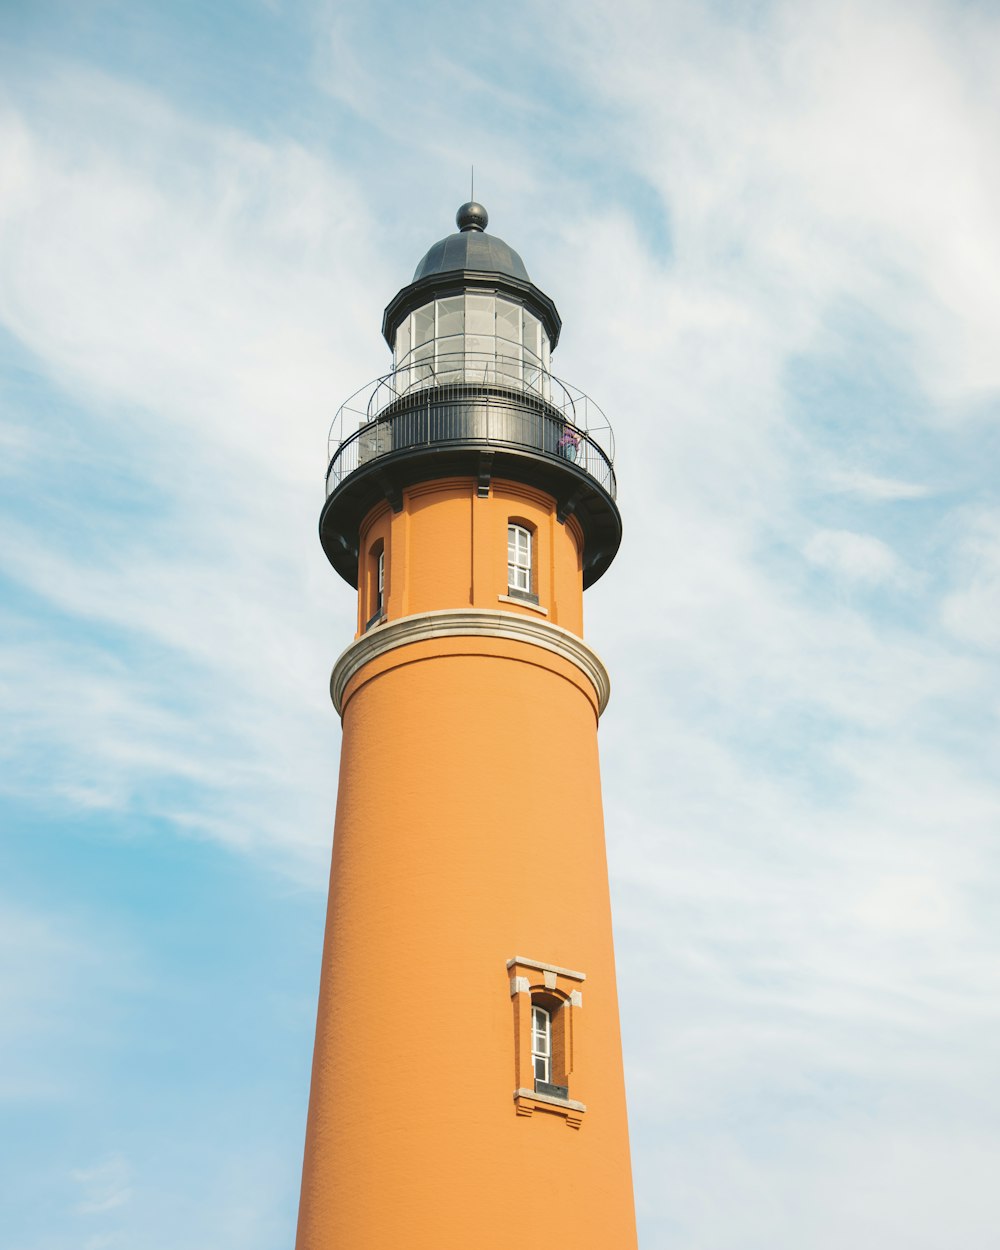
x=527 y=1102
x=568 y=1103
x=523 y=603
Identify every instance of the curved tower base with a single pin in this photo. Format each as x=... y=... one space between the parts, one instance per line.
x=469 y=836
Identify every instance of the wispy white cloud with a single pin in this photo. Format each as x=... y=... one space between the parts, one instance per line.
x=971 y=611
x=875 y=487
x=105 y=1185
x=206 y=328
x=856 y=557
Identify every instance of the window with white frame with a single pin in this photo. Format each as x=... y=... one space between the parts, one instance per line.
x=373 y=590
x=519 y=559
x=541 y=1043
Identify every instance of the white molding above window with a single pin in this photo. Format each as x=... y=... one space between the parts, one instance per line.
x=536 y=963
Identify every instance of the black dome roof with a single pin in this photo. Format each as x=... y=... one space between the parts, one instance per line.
x=472 y=249
x=470 y=260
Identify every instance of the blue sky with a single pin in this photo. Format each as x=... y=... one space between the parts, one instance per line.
x=771 y=231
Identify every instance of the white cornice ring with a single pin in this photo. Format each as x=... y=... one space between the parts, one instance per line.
x=469 y=623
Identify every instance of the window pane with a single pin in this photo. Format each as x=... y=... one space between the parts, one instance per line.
x=453 y=345
x=451 y=316
x=508 y=362
x=519 y=578
x=541 y=1035
x=402 y=340
x=480 y=348
x=423 y=325
x=508 y=321
x=449 y=357
x=480 y=312
x=423 y=352
x=532 y=336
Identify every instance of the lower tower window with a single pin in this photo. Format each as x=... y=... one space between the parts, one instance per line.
x=546 y=1000
x=550 y=1045
x=541 y=1044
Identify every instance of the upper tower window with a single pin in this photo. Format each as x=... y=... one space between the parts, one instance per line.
x=374 y=592
x=519 y=559
x=472 y=338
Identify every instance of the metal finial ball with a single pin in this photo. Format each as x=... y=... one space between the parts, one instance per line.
x=472 y=216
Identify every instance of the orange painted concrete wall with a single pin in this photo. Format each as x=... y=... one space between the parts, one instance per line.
x=469 y=831
x=447 y=548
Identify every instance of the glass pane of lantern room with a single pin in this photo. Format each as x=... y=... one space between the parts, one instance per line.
x=423 y=325
x=450 y=360
x=532 y=351
x=402 y=342
x=421 y=360
x=450 y=315
x=508 y=321
x=480 y=343
x=508 y=361
x=480 y=357
x=532 y=337
x=480 y=313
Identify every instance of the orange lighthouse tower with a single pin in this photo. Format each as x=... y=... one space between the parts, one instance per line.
x=467 y=1087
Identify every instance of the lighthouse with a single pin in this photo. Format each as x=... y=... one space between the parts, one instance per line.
x=467 y=1087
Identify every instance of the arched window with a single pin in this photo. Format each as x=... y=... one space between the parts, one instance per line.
x=550 y=1060
x=519 y=571
x=376 y=584
x=546 y=1003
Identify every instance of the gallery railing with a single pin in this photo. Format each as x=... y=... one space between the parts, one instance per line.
x=466 y=400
